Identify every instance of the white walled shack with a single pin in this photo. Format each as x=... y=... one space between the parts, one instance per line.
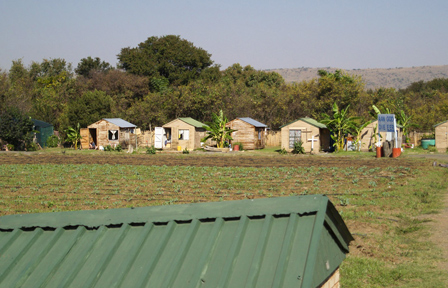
x=249 y=132
x=368 y=137
x=314 y=135
x=441 y=133
x=184 y=133
x=109 y=131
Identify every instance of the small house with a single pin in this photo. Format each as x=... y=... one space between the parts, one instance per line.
x=314 y=135
x=109 y=131
x=43 y=131
x=368 y=136
x=249 y=132
x=441 y=134
x=297 y=241
x=183 y=133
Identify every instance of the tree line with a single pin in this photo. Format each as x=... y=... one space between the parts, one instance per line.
x=168 y=77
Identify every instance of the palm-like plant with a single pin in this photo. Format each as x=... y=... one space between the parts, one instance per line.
x=217 y=130
x=339 y=124
x=73 y=135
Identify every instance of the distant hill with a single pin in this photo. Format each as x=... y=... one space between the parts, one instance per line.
x=374 y=78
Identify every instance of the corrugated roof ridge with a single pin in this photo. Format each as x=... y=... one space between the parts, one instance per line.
x=182 y=212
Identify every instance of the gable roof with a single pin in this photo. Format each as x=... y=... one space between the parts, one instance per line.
x=40 y=123
x=187 y=120
x=120 y=122
x=310 y=121
x=438 y=124
x=278 y=242
x=192 y=122
x=253 y=122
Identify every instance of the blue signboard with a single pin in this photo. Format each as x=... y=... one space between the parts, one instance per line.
x=386 y=122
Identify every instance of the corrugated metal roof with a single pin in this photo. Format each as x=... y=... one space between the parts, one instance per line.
x=192 y=122
x=310 y=121
x=438 y=124
x=278 y=242
x=41 y=123
x=120 y=122
x=253 y=122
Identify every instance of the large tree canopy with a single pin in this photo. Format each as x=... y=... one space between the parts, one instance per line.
x=168 y=57
x=89 y=65
x=15 y=127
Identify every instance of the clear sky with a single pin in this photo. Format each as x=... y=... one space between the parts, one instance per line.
x=263 y=34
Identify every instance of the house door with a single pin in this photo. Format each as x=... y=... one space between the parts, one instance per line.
x=158 y=137
x=85 y=141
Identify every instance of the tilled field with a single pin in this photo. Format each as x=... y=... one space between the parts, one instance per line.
x=204 y=159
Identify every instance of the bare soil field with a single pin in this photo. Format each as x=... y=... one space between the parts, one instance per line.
x=205 y=159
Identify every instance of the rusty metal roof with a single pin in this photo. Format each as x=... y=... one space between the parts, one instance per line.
x=280 y=242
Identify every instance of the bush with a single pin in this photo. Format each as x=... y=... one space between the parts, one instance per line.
x=31 y=146
x=52 y=141
x=118 y=148
x=10 y=147
x=283 y=151
x=108 y=148
x=298 y=148
x=185 y=151
x=151 y=150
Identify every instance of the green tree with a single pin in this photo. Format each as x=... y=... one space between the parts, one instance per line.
x=91 y=65
x=339 y=124
x=217 y=130
x=89 y=108
x=170 y=57
x=16 y=128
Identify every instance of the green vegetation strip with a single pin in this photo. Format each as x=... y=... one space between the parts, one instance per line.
x=385 y=208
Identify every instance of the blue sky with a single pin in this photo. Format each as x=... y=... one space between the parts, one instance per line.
x=263 y=34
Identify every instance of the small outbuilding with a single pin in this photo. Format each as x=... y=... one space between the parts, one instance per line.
x=368 y=136
x=183 y=133
x=249 y=132
x=297 y=241
x=441 y=134
x=314 y=135
x=109 y=131
x=43 y=131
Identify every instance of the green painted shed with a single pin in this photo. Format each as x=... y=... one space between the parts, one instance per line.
x=44 y=130
x=295 y=241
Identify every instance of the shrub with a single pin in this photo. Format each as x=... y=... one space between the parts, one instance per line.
x=118 y=148
x=151 y=150
x=108 y=148
x=185 y=151
x=10 y=147
x=52 y=141
x=298 y=148
x=31 y=146
x=283 y=151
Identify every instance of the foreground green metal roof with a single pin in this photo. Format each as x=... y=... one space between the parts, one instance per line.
x=279 y=242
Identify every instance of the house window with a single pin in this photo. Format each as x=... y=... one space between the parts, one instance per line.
x=184 y=134
x=113 y=134
x=294 y=136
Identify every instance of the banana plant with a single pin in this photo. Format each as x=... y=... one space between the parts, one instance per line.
x=73 y=136
x=339 y=124
x=217 y=130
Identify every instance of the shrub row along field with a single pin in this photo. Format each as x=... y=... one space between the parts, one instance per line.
x=382 y=202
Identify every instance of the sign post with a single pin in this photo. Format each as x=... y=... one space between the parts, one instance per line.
x=388 y=123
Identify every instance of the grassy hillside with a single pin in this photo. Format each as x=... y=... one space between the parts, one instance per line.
x=374 y=78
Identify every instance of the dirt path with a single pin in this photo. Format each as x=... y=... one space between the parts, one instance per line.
x=439 y=230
